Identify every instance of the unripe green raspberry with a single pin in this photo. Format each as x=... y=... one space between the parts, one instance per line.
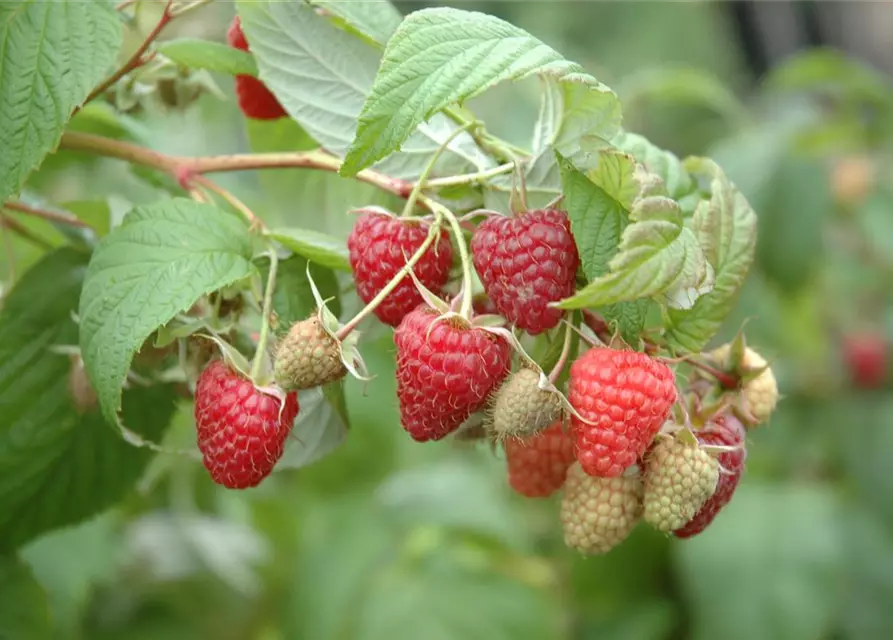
x=521 y=409
x=597 y=514
x=759 y=394
x=679 y=478
x=308 y=357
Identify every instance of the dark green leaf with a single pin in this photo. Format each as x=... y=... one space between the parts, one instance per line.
x=160 y=260
x=23 y=606
x=59 y=463
x=293 y=298
x=51 y=56
x=213 y=56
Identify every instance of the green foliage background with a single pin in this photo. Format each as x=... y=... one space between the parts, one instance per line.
x=386 y=538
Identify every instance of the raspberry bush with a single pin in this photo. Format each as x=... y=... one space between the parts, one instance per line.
x=556 y=308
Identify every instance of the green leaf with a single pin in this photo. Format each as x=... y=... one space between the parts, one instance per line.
x=657 y=255
x=319 y=429
x=96 y=213
x=293 y=298
x=317 y=247
x=213 y=56
x=375 y=21
x=23 y=606
x=52 y=55
x=160 y=260
x=59 y=464
x=439 y=57
x=658 y=161
x=322 y=74
x=726 y=229
x=783 y=546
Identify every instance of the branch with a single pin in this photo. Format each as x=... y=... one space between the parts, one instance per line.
x=63 y=218
x=138 y=58
x=23 y=232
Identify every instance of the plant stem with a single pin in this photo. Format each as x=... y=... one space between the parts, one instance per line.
x=23 y=232
x=265 y=317
x=137 y=59
x=469 y=178
x=52 y=216
x=420 y=183
x=433 y=233
x=467 y=293
x=565 y=352
x=237 y=204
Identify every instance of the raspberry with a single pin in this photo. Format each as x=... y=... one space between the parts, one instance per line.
x=255 y=100
x=727 y=431
x=537 y=466
x=379 y=247
x=627 y=396
x=526 y=262
x=866 y=357
x=679 y=478
x=597 y=514
x=445 y=372
x=308 y=357
x=240 y=432
x=521 y=408
x=759 y=395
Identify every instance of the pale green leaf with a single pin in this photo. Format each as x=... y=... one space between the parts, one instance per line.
x=213 y=56
x=59 y=464
x=657 y=255
x=658 y=161
x=23 y=604
x=615 y=172
x=318 y=430
x=317 y=247
x=52 y=54
x=322 y=75
x=439 y=57
x=726 y=229
x=783 y=546
x=375 y=20
x=161 y=259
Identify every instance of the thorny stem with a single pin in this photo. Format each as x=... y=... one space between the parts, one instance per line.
x=433 y=233
x=138 y=58
x=52 y=216
x=565 y=352
x=265 y=317
x=467 y=293
x=419 y=185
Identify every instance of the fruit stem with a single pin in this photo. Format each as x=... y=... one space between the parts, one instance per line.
x=565 y=352
x=465 y=259
x=265 y=317
x=493 y=145
x=726 y=380
x=139 y=57
x=469 y=178
x=433 y=233
x=429 y=167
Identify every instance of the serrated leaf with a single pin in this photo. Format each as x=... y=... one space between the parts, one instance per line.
x=317 y=247
x=375 y=20
x=657 y=255
x=213 y=56
x=726 y=229
x=439 y=57
x=656 y=160
x=160 y=260
x=59 y=465
x=322 y=75
x=23 y=603
x=52 y=55
x=598 y=219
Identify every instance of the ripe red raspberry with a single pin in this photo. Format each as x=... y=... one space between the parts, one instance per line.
x=255 y=100
x=380 y=246
x=865 y=355
x=727 y=431
x=445 y=374
x=240 y=432
x=537 y=466
x=627 y=396
x=525 y=262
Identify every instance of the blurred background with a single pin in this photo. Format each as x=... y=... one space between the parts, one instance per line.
x=388 y=539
